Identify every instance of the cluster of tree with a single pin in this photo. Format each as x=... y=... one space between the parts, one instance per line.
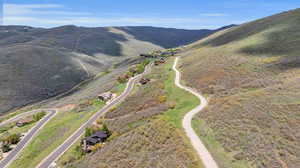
x=10 y=140
x=137 y=69
x=91 y=130
x=39 y=116
x=162 y=53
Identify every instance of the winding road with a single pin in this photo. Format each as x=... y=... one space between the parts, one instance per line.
x=28 y=137
x=202 y=152
x=58 y=152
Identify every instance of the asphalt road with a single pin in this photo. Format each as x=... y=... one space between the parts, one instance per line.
x=77 y=134
x=202 y=152
x=20 y=116
x=26 y=139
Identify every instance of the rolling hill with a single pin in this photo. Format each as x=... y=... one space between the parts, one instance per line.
x=38 y=63
x=251 y=75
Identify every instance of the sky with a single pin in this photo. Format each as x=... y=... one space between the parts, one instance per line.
x=185 y=14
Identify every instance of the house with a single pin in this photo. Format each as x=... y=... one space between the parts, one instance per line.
x=161 y=61
x=144 y=81
x=105 y=96
x=98 y=137
x=24 y=121
x=147 y=55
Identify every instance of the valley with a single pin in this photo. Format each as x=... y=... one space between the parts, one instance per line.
x=144 y=97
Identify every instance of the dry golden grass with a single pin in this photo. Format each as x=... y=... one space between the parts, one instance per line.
x=251 y=74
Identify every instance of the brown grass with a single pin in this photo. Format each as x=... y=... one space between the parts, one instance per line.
x=254 y=96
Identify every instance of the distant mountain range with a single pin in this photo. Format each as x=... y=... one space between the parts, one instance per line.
x=38 y=63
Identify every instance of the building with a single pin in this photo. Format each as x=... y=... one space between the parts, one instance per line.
x=144 y=81
x=24 y=121
x=160 y=61
x=98 y=137
x=105 y=96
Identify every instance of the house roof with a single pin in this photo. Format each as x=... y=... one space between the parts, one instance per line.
x=100 y=134
x=106 y=94
x=25 y=120
x=92 y=140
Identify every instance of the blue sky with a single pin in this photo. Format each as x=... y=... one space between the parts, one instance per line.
x=187 y=14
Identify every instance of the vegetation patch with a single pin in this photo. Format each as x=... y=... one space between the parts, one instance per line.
x=147 y=124
x=54 y=133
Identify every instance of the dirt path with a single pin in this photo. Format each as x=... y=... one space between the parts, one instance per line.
x=202 y=152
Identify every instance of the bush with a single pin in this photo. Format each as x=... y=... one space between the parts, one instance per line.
x=6 y=148
x=122 y=79
x=88 y=132
x=38 y=116
x=96 y=147
x=162 y=99
x=79 y=151
x=12 y=139
x=171 y=105
x=105 y=129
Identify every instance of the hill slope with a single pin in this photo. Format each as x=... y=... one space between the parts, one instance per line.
x=37 y=63
x=251 y=74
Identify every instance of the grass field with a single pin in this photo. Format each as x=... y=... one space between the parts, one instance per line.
x=185 y=101
x=53 y=134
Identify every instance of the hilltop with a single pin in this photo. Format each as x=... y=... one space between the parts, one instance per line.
x=251 y=75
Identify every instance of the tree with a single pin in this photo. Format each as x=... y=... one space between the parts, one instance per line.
x=13 y=139
x=105 y=129
x=38 y=116
x=6 y=148
x=88 y=132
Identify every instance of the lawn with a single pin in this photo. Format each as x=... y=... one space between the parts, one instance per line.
x=53 y=134
x=185 y=101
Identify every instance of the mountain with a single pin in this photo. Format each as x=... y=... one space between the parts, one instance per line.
x=38 y=63
x=251 y=75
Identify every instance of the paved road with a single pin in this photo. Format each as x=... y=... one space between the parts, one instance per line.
x=202 y=152
x=77 y=134
x=27 y=138
x=20 y=116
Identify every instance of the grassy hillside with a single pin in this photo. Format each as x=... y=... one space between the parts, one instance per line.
x=38 y=63
x=146 y=129
x=251 y=74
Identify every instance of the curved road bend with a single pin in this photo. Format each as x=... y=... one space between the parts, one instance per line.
x=59 y=151
x=27 y=138
x=202 y=152
x=18 y=117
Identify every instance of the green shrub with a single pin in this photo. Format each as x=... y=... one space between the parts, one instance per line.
x=39 y=116
x=12 y=139
x=122 y=79
x=88 y=132
x=6 y=148
x=105 y=128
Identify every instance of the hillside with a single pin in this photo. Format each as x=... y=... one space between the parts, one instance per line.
x=38 y=63
x=146 y=129
x=251 y=75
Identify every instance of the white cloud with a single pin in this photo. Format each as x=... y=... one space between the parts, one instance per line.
x=51 y=15
x=214 y=14
x=37 y=9
x=97 y=20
